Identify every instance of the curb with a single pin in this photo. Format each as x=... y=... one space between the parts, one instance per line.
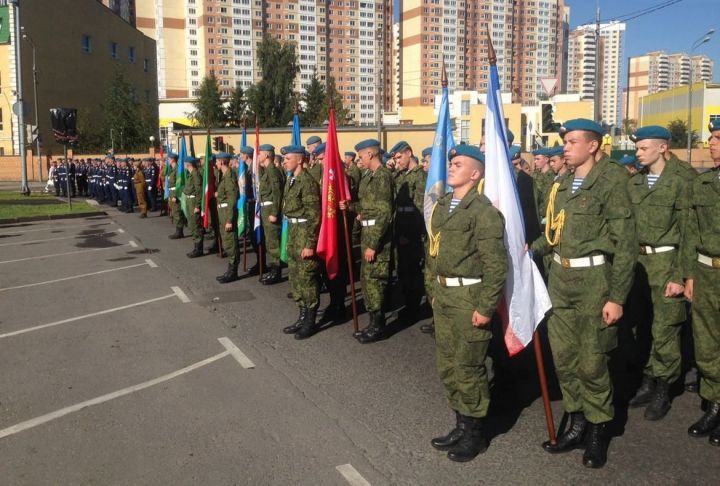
x=52 y=217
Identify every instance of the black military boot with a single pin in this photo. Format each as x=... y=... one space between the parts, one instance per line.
x=197 y=251
x=595 y=455
x=293 y=328
x=708 y=422
x=273 y=276
x=572 y=438
x=715 y=437
x=254 y=270
x=660 y=402
x=230 y=276
x=376 y=331
x=309 y=326
x=644 y=393
x=333 y=313
x=445 y=442
x=178 y=233
x=471 y=443
x=371 y=321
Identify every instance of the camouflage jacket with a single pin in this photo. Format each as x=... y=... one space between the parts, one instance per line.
x=301 y=200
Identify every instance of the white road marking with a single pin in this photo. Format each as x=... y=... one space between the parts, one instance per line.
x=120 y=230
x=181 y=295
x=52 y=228
x=61 y=254
x=351 y=475
x=73 y=277
x=133 y=244
x=151 y=263
x=29 y=424
x=236 y=353
x=93 y=314
x=56 y=239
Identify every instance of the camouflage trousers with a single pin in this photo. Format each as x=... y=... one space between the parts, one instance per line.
x=666 y=316
x=194 y=224
x=706 y=329
x=271 y=234
x=303 y=273
x=230 y=244
x=461 y=350
x=178 y=218
x=580 y=339
x=374 y=278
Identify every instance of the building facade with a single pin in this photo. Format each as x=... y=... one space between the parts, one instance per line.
x=529 y=38
x=658 y=71
x=79 y=45
x=584 y=54
x=125 y=9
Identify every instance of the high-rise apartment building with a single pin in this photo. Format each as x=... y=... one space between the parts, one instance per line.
x=529 y=38
x=346 y=39
x=125 y=9
x=657 y=71
x=585 y=55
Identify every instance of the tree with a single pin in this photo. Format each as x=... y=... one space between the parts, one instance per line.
x=679 y=134
x=271 y=99
x=236 y=110
x=315 y=111
x=91 y=134
x=209 y=111
x=341 y=113
x=132 y=122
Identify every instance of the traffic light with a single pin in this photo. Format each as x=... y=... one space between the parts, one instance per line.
x=548 y=124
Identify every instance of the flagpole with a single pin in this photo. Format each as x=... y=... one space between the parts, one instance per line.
x=244 y=126
x=256 y=194
x=539 y=361
x=211 y=171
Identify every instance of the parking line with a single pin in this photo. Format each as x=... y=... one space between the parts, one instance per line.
x=181 y=295
x=351 y=475
x=92 y=314
x=56 y=239
x=29 y=424
x=73 y=277
x=40 y=257
x=120 y=230
x=151 y=263
x=236 y=353
x=133 y=244
x=52 y=228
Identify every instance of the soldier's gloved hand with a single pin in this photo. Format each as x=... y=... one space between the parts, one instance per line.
x=272 y=219
x=228 y=227
x=479 y=320
x=307 y=253
x=612 y=313
x=689 y=288
x=369 y=255
x=673 y=290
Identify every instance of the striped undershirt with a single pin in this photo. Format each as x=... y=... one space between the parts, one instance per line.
x=651 y=180
x=454 y=203
x=577 y=182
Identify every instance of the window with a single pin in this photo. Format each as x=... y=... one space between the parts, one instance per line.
x=131 y=55
x=114 y=50
x=146 y=65
x=465 y=108
x=86 y=44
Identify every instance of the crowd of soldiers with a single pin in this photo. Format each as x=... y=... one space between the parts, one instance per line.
x=621 y=245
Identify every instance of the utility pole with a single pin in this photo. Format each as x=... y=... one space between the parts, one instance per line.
x=20 y=104
x=380 y=37
x=35 y=99
x=598 y=88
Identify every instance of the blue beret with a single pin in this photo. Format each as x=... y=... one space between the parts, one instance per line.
x=173 y=155
x=350 y=154
x=541 y=151
x=266 y=147
x=652 y=131
x=556 y=151
x=627 y=160
x=714 y=125
x=510 y=136
x=581 y=124
x=312 y=140
x=468 y=151
x=370 y=142
x=191 y=160
x=385 y=157
x=320 y=149
x=401 y=145
x=427 y=151
x=223 y=155
x=247 y=150
x=293 y=149
x=515 y=151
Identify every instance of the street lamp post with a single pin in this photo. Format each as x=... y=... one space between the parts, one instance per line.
x=702 y=40
x=24 y=188
x=35 y=98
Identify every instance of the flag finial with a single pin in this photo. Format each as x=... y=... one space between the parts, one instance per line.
x=444 y=79
x=492 y=58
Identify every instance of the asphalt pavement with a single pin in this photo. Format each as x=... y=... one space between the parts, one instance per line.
x=125 y=362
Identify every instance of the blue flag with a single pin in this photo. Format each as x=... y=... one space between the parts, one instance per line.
x=284 y=232
x=436 y=185
x=296 y=130
x=242 y=184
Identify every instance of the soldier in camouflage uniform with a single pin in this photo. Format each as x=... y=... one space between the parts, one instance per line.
x=375 y=213
x=193 y=191
x=271 y=189
x=543 y=177
x=467 y=265
x=409 y=228
x=227 y=196
x=315 y=169
x=594 y=249
x=301 y=207
x=704 y=241
x=660 y=197
x=178 y=218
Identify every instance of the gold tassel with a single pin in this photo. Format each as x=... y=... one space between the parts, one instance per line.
x=481 y=186
x=554 y=223
x=434 y=243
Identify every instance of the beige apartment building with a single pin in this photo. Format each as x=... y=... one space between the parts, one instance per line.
x=658 y=71
x=584 y=55
x=78 y=45
x=125 y=9
x=346 y=39
x=529 y=38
